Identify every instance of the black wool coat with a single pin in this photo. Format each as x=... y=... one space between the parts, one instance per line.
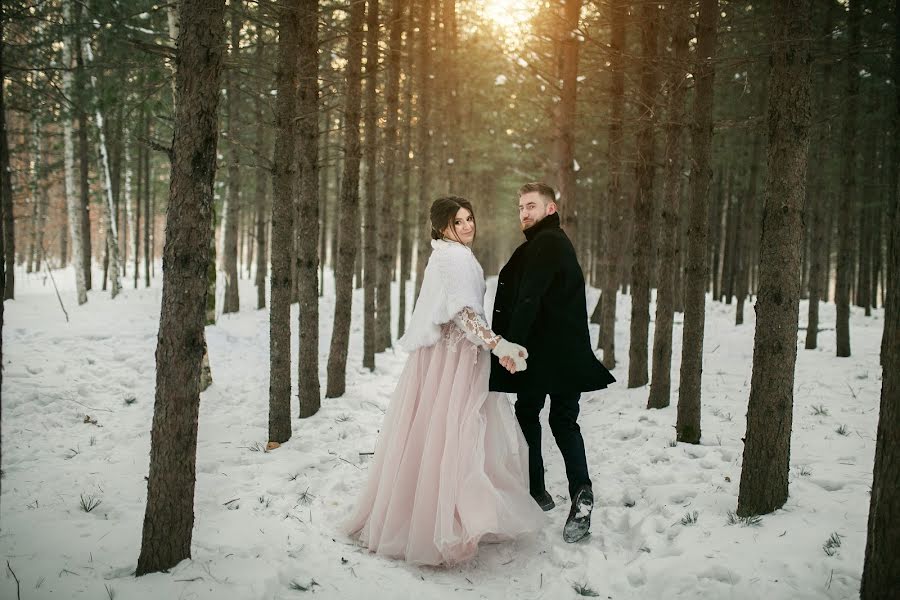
x=540 y=304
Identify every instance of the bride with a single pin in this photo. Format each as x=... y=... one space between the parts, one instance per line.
x=451 y=464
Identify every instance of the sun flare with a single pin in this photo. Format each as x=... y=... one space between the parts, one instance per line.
x=511 y=16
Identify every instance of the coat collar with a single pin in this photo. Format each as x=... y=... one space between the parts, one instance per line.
x=548 y=222
x=443 y=244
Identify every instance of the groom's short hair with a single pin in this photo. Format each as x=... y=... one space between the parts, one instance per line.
x=545 y=191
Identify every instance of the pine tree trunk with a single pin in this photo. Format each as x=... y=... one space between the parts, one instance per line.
x=72 y=204
x=564 y=118
x=284 y=178
x=660 y=386
x=139 y=198
x=349 y=209
x=262 y=176
x=695 y=277
x=423 y=152
x=149 y=216
x=5 y=195
x=169 y=517
x=764 y=475
x=643 y=203
x=408 y=208
x=307 y=230
x=387 y=230
x=747 y=214
x=848 y=193
x=613 y=211
x=231 y=210
x=881 y=570
x=370 y=227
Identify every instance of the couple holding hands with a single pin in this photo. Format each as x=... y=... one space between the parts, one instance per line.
x=455 y=464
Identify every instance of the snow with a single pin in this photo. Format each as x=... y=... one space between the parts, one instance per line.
x=267 y=520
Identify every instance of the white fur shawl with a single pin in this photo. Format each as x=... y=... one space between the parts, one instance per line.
x=453 y=280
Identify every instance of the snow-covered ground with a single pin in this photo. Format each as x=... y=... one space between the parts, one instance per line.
x=77 y=407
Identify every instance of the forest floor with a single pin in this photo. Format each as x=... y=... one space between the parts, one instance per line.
x=78 y=404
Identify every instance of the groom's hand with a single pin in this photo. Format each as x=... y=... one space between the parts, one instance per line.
x=508 y=364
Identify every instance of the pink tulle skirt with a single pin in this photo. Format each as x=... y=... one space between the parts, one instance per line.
x=450 y=466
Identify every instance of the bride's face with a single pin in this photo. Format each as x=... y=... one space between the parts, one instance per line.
x=463 y=227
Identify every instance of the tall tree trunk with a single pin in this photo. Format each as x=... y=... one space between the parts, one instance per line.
x=660 y=386
x=848 y=193
x=307 y=229
x=169 y=518
x=36 y=191
x=643 y=204
x=149 y=216
x=881 y=570
x=262 y=176
x=284 y=178
x=5 y=194
x=406 y=197
x=564 y=117
x=423 y=151
x=84 y=186
x=349 y=209
x=139 y=198
x=231 y=211
x=695 y=277
x=613 y=211
x=767 y=444
x=387 y=230
x=370 y=227
x=747 y=215
x=112 y=244
x=72 y=204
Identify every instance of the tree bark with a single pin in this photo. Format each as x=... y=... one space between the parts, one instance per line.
x=307 y=229
x=169 y=517
x=564 y=118
x=262 y=176
x=613 y=211
x=848 y=193
x=695 y=277
x=72 y=204
x=767 y=443
x=387 y=230
x=660 y=386
x=349 y=209
x=423 y=151
x=643 y=203
x=231 y=210
x=370 y=227
x=408 y=207
x=284 y=178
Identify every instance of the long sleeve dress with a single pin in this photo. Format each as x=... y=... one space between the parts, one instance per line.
x=451 y=465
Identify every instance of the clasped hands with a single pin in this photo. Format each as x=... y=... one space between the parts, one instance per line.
x=512 y=356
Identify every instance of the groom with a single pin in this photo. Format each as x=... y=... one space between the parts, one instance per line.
x=540 y=304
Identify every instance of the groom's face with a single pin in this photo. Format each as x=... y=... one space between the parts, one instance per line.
x=532 y=208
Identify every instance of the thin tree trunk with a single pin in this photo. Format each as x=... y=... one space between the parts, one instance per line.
x=262 y=176
x=169 y=517
x=688 y=421
x=387 y=230
x=231 y=211
x=307 y=229
x=767 y=443
x=643 y=203
x=408 y=208
x=149 y=216
x=112 y=244
x=423 y=152
x=846 y=233
x=370 y=227
x=613 y=211
x=5 y=195
x=748 y=211
x=72 y=204
x=284 y=178
x=565 y=120
x=139 y=198
x=83 y=158
x=349 y=210
x=660 y=386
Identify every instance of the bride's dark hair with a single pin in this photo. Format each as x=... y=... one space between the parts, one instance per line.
x=443 y=213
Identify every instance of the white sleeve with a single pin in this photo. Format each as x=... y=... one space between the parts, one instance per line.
x=462 y=284
x=475 y=327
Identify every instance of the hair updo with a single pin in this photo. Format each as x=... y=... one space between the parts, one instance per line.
x=443 y=213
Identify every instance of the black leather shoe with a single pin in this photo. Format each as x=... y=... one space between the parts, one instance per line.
x=578 y=524
x=544 y=500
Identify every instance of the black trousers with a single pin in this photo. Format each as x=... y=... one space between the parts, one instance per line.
x=564 y=425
